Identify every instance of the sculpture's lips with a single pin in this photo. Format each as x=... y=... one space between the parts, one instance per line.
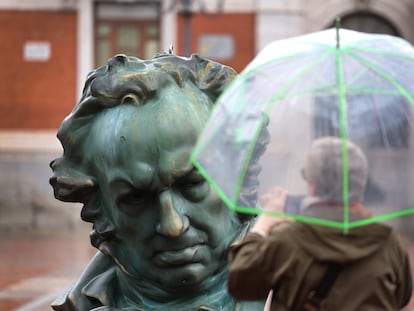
x=180 y=257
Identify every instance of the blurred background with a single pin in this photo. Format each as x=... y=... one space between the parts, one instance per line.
x=49 y=46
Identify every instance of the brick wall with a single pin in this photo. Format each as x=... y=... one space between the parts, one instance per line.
x=37 y=94
x=239 y=25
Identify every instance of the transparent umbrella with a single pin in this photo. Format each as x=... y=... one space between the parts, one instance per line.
x=340 y=83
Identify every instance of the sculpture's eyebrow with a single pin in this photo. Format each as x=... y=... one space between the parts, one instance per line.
x=120 y=187
x=186 y=171
x=141 y=178
x=119 y=181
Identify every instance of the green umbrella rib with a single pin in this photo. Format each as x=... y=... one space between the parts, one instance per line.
x=343 y=134
x=269 y=107
x=349 y=49
x=385 y=75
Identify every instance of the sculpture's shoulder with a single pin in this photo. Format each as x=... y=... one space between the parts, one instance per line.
x=64 y=301
x=97 y=287
x=73 y=299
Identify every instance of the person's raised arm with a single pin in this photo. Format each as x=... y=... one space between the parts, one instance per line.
x=273 y=201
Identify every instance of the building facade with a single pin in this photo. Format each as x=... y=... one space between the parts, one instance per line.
x=51 y=45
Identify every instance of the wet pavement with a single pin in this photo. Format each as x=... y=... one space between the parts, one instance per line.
x=34 y=269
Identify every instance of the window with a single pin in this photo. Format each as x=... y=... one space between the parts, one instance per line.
x=126 y=28
x=367 y=22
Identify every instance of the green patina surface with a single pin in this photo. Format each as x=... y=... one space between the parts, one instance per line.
x=162 y=231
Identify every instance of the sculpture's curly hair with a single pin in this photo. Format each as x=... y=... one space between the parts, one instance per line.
x=110 y=86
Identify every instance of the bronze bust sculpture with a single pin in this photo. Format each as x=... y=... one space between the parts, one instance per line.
x=161 y=230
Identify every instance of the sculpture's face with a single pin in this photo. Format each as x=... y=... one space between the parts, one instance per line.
x=171 y=227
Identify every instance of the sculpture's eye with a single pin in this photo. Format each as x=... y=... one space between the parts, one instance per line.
x=130 y=99
x=132 y=202
x=194 y=190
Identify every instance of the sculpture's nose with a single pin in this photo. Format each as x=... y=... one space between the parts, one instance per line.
x=172 y=223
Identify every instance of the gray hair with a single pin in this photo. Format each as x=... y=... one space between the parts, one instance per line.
x=324 y=167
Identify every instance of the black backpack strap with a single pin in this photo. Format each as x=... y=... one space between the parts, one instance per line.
x=316 y=296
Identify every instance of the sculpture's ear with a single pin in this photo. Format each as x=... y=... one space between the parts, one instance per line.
x=69 y=184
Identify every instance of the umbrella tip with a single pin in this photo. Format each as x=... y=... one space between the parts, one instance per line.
x=337 y=27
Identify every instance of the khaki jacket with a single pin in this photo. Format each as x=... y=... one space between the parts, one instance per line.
x=293 y=258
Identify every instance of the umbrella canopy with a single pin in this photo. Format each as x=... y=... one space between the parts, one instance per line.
x=352 y=86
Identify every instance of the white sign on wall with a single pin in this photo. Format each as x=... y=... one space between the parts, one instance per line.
x=36 y=51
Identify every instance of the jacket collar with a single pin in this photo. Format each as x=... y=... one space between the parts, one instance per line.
x=316 y=208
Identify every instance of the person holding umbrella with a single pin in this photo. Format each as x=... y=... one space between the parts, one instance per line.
x=311 y=267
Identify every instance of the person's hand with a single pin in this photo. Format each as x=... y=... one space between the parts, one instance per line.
x=273 y=201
